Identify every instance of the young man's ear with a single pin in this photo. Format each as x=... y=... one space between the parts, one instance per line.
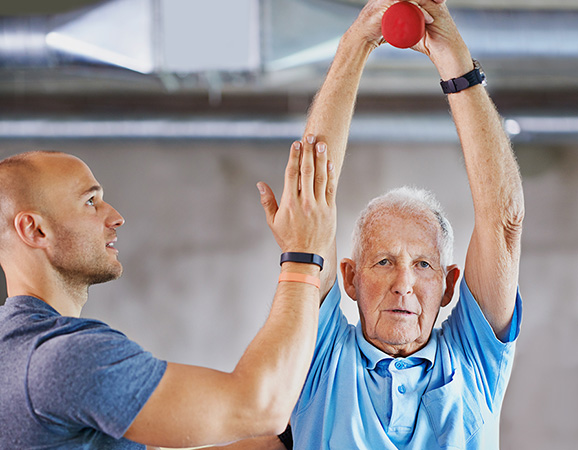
x=30 y=228
x=348 y=274
x=452 y=276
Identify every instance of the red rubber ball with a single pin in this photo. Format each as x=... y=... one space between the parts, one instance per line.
x=403 y=25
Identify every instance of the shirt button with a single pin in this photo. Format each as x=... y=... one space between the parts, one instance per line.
x=399 y=365
x=401 y=389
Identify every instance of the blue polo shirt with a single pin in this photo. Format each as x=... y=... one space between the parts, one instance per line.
x=448 y=395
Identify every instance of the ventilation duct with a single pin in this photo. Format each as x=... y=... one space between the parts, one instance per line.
x=276 y=43
x=146 y=36
x=193 y=36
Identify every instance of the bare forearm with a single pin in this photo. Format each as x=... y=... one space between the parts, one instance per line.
x=493 y=255
x=492 y=169
x=276 y=363
x=332 y=109
x=330 y=117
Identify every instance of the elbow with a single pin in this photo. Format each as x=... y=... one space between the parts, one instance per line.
x=512 y=221
x=263 y=411
x=277 y=428
x=273 y=416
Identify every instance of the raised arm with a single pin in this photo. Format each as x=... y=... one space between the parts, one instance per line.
x=195 y=406
x=330 y=113
x=493 y=255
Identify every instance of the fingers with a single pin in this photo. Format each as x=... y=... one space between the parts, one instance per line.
x=331 y=188
x=304 y=219
x=320 y=183
x=268 y=202
x=292 y=170
x=308 y=174
x=427 y=16
x=308 y=167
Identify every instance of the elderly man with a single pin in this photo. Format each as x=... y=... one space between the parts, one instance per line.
x=394 y=382
x=71 y=383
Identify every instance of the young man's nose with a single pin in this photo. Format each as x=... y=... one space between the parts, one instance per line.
x=115 y=220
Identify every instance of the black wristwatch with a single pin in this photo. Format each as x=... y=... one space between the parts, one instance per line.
x=476 y=76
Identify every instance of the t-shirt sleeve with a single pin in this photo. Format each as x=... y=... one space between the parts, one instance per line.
x=95 y=377
x=475 y=339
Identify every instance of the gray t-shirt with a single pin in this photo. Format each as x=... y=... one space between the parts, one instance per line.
x=68 y=383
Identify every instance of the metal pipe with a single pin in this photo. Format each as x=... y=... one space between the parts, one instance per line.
x=415 y=128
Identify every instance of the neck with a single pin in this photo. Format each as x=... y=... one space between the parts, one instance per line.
x=64 y=297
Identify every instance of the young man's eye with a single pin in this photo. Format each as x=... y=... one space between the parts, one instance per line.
x=90 y=201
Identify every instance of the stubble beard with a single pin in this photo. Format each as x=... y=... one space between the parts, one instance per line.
x=82 y=264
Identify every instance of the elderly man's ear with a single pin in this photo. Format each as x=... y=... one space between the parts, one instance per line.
x=452 y=277
x=348 y=273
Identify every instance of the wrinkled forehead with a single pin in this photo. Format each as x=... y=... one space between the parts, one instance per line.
x=394 y=225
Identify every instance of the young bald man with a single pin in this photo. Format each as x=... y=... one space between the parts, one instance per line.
x=70 y=383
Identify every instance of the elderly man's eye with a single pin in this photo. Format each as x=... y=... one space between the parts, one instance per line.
x=383 y=262
x=424 y=264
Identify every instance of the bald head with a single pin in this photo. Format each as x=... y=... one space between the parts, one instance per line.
x=24 y=179
x=16 y=186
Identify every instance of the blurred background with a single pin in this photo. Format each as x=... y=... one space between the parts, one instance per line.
x=181 y=106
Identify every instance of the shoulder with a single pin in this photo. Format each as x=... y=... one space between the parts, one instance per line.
x=75 y=347
x=85 y=369
x=468 y=319
x=470 y=342
x=69 y=334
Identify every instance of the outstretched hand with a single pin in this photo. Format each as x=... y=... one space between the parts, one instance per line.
x=305 y=219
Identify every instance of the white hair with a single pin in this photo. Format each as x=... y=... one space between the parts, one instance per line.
x=411 y=200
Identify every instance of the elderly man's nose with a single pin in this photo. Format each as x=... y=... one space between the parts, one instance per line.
x=403 y=284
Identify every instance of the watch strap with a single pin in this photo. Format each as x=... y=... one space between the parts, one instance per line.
x=306 y=258
x=472 y=78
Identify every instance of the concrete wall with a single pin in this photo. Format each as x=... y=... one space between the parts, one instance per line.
x=201 y=264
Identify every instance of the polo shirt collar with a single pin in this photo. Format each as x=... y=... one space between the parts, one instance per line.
x=372 y=355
